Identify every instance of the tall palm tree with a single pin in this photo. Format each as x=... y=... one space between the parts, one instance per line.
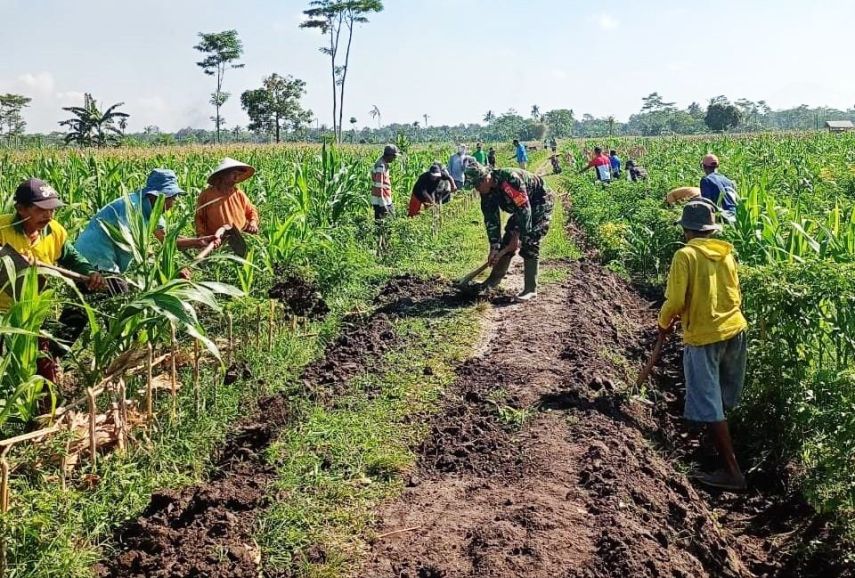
x=91 y=127
x=426 y=117
x=375 y=113
x=535 y=112
x=489 y=117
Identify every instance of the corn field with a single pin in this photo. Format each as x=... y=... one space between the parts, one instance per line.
x=794 y=236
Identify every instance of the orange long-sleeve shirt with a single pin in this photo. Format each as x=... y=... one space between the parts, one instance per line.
x=214 y=209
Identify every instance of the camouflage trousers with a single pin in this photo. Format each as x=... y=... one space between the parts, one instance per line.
x=541 y=217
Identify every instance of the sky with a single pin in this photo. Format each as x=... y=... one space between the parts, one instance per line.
x=450 y=60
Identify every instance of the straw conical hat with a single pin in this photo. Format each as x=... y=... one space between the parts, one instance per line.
x=227 y=164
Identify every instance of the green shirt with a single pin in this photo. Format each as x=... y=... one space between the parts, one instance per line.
x=480 y=156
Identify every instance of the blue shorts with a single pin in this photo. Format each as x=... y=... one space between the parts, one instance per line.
x=715 y=374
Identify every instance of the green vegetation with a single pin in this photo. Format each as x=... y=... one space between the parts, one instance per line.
x=795 y=239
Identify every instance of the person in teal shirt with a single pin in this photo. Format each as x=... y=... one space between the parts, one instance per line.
x=522 y=155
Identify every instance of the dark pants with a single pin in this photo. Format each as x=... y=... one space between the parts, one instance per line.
x=381 y=213
x=541 y=217
x=73 y=320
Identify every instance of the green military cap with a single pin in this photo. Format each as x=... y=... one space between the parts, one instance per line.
x=475 y=173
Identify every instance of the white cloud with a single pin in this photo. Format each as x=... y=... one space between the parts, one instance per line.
x=38 y=84
x=606 y=21
x=69 y=98
x=558 y=73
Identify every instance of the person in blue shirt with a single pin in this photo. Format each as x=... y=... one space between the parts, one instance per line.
x=521 y=154
x=614 y=161
x=717 y=188
x=96 y=245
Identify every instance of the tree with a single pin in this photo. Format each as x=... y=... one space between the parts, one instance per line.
x=426 y=117
x=560 y=122
x=654 y=103
x=489 y=117
x=222 y=50
x=721 y=115
x=535 y=112
x=276 y=105
x=353 y=122
x=91 y=127
x=12 y=123
x=331 y=17
x=375 y=113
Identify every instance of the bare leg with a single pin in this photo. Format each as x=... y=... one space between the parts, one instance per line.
x=724 y=445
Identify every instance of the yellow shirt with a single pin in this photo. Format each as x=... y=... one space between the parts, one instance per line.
x=48 y=248
x=703 y=289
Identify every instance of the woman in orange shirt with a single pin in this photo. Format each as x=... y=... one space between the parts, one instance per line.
x=223 y=203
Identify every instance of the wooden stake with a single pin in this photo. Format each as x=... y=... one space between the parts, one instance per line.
x=294 y=323
x=196 y=386
x=123 y=415
x=174 y=372
x=149 y=385
x=231 y=339
x=270 y=325
x=93 y=446
x=4 y=483
x=257 y=326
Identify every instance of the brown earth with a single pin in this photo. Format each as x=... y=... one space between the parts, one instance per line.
x=299 y=296
x=206 y=530
x=541 y=465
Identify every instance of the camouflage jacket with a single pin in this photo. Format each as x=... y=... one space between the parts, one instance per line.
x=514 y=191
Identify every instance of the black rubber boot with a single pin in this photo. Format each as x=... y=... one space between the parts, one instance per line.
x=530 y=267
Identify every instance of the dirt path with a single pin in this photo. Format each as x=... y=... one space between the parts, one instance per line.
x=578 y=489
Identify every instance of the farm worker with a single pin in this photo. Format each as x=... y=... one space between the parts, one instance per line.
x=491 y=157
x=457 y=165
x=682 y=195
x=381 y=184
x=32 y=231
x=480 y=155
x=223 y=203
x=602 y=164
x=525 y=196
x=521 y=154
x=96 y=245
x=718 y=188
x=553 y=144
x=614 y=163
x=703 y=291
x=433 y=186
x=636 y=172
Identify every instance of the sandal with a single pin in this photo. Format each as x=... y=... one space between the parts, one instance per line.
x=722 y=480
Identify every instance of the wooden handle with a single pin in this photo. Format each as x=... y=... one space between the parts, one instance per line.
x=64 y=272
x=654 y=357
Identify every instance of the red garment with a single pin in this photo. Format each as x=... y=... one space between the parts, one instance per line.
x=415 y=206
x=602 y=159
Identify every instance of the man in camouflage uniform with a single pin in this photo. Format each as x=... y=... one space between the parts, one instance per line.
x=525 y=196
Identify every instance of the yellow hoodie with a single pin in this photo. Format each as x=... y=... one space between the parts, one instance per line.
x=703 y=289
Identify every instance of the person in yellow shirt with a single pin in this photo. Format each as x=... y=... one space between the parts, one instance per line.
x=223 y=203
x=32 y=231
x=703 y=292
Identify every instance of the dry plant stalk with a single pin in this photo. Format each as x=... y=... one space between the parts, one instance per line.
x=93 y=417
x=196 y=385
x=231 y=338
x=270 y=325
x=149 y=389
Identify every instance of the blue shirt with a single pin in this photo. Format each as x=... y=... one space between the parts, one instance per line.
x=714 y=187
x=522 y=156
x=615 y=162
x=96 y=245
x=456 y=166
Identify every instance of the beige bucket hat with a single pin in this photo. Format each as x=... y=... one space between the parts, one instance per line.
x=227 y=164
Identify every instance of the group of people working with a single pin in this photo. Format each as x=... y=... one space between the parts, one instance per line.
x=97 y=255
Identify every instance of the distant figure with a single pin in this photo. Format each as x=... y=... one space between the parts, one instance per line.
x=456 y=166
x=491 y=157
x=636 y=172
x=553 y=145
x=480 y=155
x=432 y=187
x=556 y=166
x=381 y=184
x=521 y=154
x=614 y=161
x=718 y=188
x=602 y=164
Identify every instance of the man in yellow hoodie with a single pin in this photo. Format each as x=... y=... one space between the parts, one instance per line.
x=703 y=292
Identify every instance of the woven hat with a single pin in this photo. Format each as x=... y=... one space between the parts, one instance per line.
x=682 y=194
x=228 y=164
x=699 y=216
